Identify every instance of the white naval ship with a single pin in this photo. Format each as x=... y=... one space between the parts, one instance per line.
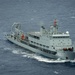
x=50 y=43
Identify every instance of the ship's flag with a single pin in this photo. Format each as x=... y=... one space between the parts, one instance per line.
x=55 y=23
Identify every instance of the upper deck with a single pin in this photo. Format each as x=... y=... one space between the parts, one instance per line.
x=52 y=32
x=61 y=35
x=34 y=33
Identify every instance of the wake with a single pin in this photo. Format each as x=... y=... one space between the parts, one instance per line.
x=40 y=58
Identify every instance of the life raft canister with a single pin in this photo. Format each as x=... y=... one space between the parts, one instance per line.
x=22 y=37
x=65 y=49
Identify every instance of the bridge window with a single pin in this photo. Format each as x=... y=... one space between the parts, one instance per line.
x=36 y=37
x=39 y=44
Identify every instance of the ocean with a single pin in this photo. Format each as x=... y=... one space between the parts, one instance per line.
x=31 y=14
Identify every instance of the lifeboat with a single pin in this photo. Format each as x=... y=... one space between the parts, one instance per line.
x=22 y=37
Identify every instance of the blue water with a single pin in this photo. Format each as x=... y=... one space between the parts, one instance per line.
x=31 y=14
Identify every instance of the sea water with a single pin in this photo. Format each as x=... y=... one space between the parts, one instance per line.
x=15 y=60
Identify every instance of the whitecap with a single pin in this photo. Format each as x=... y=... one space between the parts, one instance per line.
x=15 y=52
x=73 y=17
x=7 y=48
x=32 y=19
x=56 y=72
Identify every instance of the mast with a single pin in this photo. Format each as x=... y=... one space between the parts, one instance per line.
x=55 y=27
x=42 y=29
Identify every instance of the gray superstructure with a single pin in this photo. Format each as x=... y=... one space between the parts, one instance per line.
x=50 y=43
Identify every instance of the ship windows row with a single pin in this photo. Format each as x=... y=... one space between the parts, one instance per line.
x=44 y=50
x=62 y=37
x=36 y=37
x=40 y=44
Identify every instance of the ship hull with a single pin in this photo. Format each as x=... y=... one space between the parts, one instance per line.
x=60 y=54
x=66 y=55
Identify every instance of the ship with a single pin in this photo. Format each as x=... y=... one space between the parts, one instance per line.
x=50 y=42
